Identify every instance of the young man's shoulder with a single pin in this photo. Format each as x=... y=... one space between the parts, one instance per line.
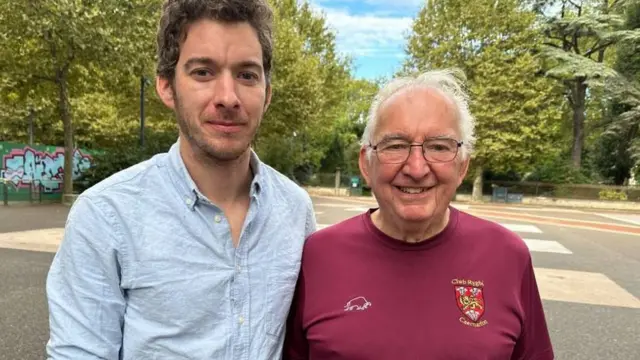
x=130 y=181
x=283 y=187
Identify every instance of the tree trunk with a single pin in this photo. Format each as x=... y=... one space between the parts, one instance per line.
x=65 y=114
x=578 y=93
x=476 y=195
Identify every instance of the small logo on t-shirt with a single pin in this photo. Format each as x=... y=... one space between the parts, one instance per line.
x=470 y=301
x=357 y=304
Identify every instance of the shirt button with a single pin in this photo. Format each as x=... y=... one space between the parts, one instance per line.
x=188 y=201
x=217 y=218
x=241 y=320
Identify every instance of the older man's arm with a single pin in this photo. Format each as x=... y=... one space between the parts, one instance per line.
x=534 y=342
x=86 y=303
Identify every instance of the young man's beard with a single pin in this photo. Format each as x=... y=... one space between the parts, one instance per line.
x=193 y=133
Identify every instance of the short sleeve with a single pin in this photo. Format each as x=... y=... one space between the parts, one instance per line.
x=534 y=342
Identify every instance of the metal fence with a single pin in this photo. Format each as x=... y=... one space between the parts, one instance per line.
x=526 y=189
x=560 y=191
x=31 y=191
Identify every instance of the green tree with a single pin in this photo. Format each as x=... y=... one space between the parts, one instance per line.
x=493 y=43
x=348 y=129
x=618 y=149
x=59 y=48
x=577 y=41
x=309 y=96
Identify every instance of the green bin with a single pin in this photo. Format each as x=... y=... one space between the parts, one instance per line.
x=355 y=188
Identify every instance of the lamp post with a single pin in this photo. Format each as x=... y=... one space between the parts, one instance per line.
x=31 y=114
x=143 y=82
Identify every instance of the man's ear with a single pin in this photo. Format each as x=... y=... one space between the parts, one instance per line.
x=164 y=88
x=363 y=163
x=464 y=168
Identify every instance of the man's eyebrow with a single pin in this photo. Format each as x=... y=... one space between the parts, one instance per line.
x=395 y=136
x=249 y=64
x=199 y=61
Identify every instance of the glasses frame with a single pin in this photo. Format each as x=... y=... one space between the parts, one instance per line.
x=424 y=152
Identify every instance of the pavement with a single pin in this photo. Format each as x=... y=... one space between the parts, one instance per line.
x=587 y=264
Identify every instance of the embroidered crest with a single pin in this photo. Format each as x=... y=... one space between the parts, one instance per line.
x=470 y=301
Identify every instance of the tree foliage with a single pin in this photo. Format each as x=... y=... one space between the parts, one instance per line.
x=57 y=50
x=577 y=41
x=493 y=43
x=310 y=83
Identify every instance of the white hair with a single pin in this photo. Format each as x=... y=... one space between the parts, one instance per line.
x=448 y=82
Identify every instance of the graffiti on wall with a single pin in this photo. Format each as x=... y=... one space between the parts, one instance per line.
x=26 y=165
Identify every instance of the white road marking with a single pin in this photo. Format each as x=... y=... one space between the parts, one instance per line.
x=319 y=212
x=460 y=206
x=46 y=240
x=583 y=287
x=546 y=246
x=357 y=209
x=332 y=205
x=522 y=228
x=556 y=210
x=631 y=219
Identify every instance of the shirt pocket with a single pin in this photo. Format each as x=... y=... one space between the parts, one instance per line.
x=280 y=288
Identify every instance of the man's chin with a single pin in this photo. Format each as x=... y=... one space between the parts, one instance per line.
x=226 y=155
x=415 y=213
x=227 y=152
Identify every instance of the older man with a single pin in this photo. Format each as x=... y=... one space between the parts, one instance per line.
x=416 y=278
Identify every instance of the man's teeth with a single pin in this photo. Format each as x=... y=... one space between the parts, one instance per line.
x=410 y=190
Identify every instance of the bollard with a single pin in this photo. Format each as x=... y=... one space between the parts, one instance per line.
x=5 y=193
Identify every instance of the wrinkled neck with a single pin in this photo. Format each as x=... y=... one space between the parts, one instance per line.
x=410 y=232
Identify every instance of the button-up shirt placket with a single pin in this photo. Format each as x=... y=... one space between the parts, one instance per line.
x=241 y=288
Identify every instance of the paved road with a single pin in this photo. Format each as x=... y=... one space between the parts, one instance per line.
x=589 y=278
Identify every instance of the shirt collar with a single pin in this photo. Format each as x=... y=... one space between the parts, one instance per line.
x=187 y=187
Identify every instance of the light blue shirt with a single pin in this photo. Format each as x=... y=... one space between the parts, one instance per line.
x=147 y=268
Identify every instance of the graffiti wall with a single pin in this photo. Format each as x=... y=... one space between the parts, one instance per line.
x=22 y=165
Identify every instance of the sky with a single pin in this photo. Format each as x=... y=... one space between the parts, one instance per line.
x=371 y=32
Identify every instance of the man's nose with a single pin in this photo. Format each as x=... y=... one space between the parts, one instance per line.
x=225 y=93
x=416 y=165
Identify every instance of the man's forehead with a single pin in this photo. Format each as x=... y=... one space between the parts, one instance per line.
x=211 y=38
x=418 y=95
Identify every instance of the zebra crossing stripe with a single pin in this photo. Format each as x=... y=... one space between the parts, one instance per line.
x=546 y=246
x=522 y=228
x=583 y=288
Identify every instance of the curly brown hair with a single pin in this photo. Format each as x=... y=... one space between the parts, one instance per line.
x=177 y=15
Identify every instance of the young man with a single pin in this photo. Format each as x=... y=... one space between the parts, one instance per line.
x=416 y=278
x=193 y=254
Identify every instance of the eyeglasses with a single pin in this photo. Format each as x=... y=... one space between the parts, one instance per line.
x=434 y=150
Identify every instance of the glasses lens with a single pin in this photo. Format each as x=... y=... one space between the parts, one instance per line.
x=393 y=152
x=440 y=150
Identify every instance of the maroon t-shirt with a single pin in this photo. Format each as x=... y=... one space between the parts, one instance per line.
x=468 y=293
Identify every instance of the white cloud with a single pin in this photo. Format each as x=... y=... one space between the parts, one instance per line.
x=412 y=4
x=402 y=3
x=368 y=34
